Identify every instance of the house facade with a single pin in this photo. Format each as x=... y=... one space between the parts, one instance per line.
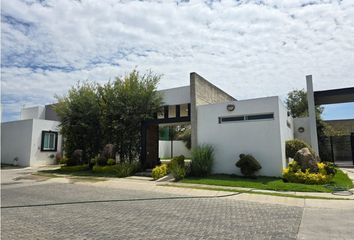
x=33 y=140
x=259 y=127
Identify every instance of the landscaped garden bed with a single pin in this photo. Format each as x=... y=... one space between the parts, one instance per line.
x=340 y=180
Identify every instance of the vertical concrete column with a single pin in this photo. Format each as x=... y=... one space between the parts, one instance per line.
x=312 y=113
x=193 y=97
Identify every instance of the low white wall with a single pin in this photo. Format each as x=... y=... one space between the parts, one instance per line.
x=260 y=138
x=16 y=142
x=179 y=148
x=305 y=123
x=37 y=156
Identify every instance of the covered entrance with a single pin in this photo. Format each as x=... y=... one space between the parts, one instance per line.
x=339 y=148
x=151 y=130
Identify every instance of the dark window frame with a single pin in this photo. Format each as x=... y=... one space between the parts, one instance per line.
x=246 y=118
x=55 y=142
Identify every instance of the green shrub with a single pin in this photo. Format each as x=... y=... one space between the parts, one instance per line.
x=118 y=170
x=94 y=160
x=63 y=160
x=178 y=171
x=101 y=161
x=292 y=146
x=202 y=160
x=159 y=171
x=176 y=160
x=111 y=161
x=294 y=174
x=76 y=158
x=248 y=165
x=76 y=168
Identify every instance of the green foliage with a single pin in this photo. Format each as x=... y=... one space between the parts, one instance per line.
x=95 y=160
x=271 y=183
x=178 y=160
x=297 y=104
x=178 y=171
x=118 y=170
x=294 y=174
x=159 y=171
x=202 y=160
x=63 y=160
x=76 y=168
x=294 y=145
x=248 y=165
x=125 y=103
x=93 y=115
x=79 y=112
x=111 y=161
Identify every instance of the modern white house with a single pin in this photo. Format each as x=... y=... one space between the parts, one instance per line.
x=259 y=127
x=33 y=140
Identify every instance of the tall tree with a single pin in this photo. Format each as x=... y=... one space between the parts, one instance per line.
x=125 y=103
x=80 y=119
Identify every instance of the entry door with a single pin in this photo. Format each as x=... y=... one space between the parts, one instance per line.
x=152 y=146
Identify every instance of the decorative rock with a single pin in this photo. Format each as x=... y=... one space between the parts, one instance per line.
x=306 y=160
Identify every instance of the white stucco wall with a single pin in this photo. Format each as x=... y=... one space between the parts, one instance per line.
x=16 y=142
x=175 y=96
x=286 y=126
x=22 y=139
x=37 y=156
x=37 y=112
x=179 y=148
x=261 y=138
x=305 y=123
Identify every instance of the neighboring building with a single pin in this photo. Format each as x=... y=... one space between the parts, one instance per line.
x=33 y=140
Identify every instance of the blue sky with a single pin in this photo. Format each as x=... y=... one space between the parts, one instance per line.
x=250 y=48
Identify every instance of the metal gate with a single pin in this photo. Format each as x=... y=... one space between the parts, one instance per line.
x=340 y=149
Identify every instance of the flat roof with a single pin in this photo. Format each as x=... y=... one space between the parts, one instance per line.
x=341 y=95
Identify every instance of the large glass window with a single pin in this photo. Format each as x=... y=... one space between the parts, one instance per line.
x=49 y=141
x=183 y=110
x=171 y=111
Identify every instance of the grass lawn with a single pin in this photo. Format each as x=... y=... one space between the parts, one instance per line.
x=271 y=183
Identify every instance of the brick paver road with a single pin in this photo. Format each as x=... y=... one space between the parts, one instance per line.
x=77 y=211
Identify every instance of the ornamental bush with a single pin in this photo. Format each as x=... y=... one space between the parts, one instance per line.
x=178 y=171
x=294 y=174
x=118 y=170
x=202 y=160
x=248 y=165
x=111 y=161
x=292 y=146
x=159 y=171
x=176 y=160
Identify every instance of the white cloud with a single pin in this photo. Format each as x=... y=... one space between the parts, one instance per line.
x=248 y=49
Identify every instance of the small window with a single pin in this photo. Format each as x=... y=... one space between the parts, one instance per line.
x=231 y=119
x=260 y=116
x=49 y=141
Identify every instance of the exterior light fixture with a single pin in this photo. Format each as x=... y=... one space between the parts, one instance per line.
x=301 y=129
x=230 y=107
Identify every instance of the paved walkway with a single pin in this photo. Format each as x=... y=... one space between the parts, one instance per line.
x=136 y=209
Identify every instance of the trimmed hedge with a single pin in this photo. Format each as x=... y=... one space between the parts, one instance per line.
x=292 y=146
x=248 y=165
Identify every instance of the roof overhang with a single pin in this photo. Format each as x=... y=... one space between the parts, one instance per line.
x=342 y=95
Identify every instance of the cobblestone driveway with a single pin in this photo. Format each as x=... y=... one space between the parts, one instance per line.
x=119 y=218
